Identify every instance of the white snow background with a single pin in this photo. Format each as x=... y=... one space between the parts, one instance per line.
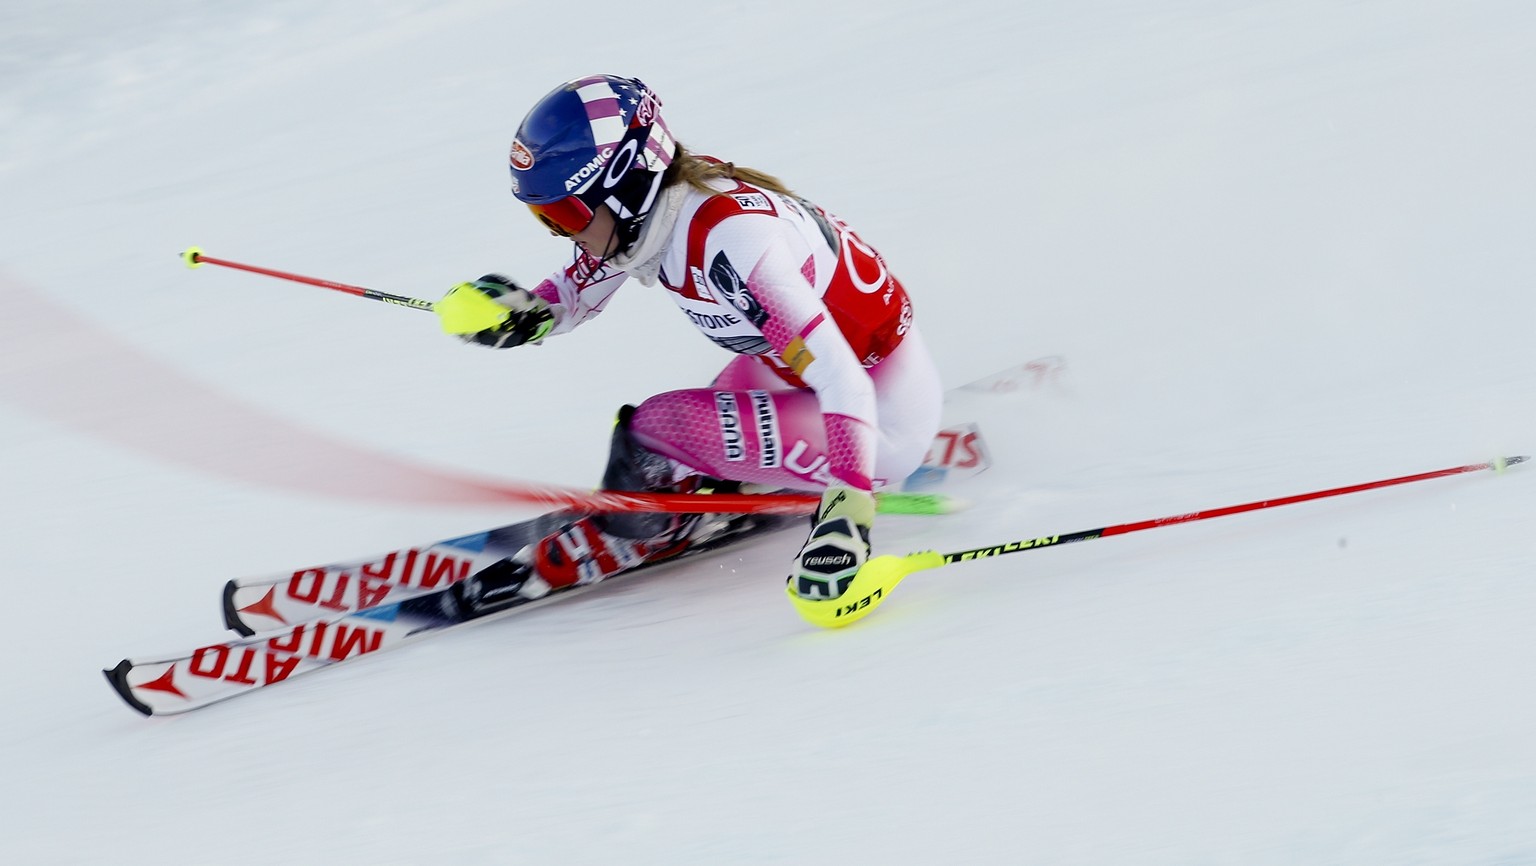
x=1283 y=246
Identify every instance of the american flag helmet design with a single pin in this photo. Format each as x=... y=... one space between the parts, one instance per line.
x=601 y=139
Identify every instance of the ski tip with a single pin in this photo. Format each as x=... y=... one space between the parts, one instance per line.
x=232 y=619
x=117 y=677
x=906 y=502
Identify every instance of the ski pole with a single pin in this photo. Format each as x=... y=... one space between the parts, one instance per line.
x=880 y=575
x=195 y=259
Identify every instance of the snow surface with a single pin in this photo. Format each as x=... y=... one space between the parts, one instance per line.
x=1283 y=245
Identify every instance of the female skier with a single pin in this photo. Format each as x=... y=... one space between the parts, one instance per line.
x=832 y=388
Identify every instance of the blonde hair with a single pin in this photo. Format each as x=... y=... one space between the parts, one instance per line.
x=697 y=172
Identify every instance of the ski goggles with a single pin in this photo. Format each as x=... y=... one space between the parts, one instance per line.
x=563 y=217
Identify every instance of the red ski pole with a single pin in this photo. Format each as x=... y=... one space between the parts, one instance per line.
x=194 y=258
x=881 y=575
x=1123 y=528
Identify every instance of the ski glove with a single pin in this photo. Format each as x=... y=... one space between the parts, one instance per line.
x=838 y=546
x=494 y=311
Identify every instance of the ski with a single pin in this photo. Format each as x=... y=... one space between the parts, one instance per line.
x=276 y=601
x=260 y=604
x=432 y=595
x=295 y=622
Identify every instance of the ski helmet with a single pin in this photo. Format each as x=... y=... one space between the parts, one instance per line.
x=592 y=142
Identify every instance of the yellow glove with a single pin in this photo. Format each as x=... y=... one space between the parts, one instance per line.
x=493 y=311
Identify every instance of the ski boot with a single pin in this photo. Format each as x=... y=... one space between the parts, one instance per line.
x=581 y=553
x=597 y=547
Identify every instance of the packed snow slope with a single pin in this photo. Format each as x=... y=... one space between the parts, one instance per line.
x=1282 y=245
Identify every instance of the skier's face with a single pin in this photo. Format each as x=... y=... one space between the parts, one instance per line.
x=599 y=238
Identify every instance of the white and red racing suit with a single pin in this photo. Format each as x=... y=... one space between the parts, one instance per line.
x=834 y=384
